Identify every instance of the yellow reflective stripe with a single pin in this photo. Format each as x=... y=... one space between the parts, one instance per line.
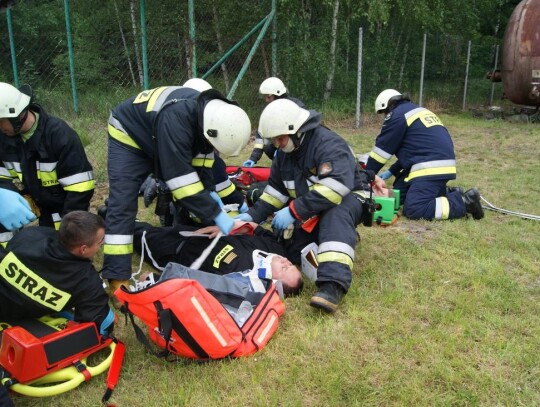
x=276 y=203
x=442 y=208
x=154 y=97
x=190 y=190
x=336 y=257
x=31 y=285
x=56 y=219
x=145 y=95
x=427 y=118
x=221 y=255
x=377 y=157
x=122 y=137
x=202 y=162
x=431 y=171
x=48 y=179
x=258 y=145
x=81 y=187
x=327 y=193
x=226 y=191
x=117 y=249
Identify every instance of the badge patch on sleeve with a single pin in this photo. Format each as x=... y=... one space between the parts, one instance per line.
x=388 y=116
x=325 y=169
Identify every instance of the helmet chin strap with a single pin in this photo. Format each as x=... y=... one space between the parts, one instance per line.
x=295 y=140
x=18 y=122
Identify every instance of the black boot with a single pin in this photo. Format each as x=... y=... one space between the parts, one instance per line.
x=471 y=198
x=328 y=296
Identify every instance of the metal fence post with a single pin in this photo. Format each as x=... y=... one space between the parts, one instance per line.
x=274 y=39
x=192 y=36
x=494 y=69
x=12 y=48
x=359 y=79
x=420 y=98
x=71 y=60
x=144 y=48
x=466 y=76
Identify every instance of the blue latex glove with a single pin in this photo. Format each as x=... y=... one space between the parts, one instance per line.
x=248 y=163
x=244 y=208
x=216 y=198
x=385 y=175
x=282 y=218
x=224 y=222
x=14 y=210
x=245 y=217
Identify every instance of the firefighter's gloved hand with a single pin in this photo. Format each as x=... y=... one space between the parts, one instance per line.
x=150 y=192
x=224 y=222
x=385 y=175
x=244 y=208
x=244 y=217
x=282 y=219
x=216 y=198
x=14 y=211
x=248 y=163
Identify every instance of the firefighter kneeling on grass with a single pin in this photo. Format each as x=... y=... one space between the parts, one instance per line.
x=44 y=272
x=313 y=179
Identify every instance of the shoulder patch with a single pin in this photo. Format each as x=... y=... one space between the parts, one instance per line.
x=388 y=116
x=325 y=168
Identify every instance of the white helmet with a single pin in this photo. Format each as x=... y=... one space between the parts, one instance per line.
x=282 y=116
x=198 y=84
x=384 y=98
x=272 y=86
x=226 y=127
x=12 y=101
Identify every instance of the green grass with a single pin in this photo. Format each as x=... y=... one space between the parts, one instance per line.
x=439 y=313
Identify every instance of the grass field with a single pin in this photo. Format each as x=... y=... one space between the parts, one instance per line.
x=439 y=313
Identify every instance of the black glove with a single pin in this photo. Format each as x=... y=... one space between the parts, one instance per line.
x=150 y=192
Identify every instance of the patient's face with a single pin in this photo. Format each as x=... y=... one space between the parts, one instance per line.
x=284 y=270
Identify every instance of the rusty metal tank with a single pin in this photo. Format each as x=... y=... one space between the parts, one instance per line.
x=521 y=54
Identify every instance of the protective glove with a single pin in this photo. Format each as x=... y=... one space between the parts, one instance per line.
x=282 y=219
x=385 y=175
x=245 y=217
x=244 y=208
x=248 y=163
x=14 y=211
x=216 y=198
x=224 y=222
x=150 y=192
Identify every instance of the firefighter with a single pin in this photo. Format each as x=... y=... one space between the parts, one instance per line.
x=316 y=185
x=45 y=272
x=171 y=131
x=425 y=161
x=42 y=158
x=231 y=254
x=272 y=89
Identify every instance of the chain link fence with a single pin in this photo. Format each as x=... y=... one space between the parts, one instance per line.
x=109 y=61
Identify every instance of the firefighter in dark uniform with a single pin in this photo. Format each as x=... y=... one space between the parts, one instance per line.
x=45 y=272
x=231 y=253
x=272 y=89
x=316 y=185
x=171 y=131
x=44 y=156
x=425 y=161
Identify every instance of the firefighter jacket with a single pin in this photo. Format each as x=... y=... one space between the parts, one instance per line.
x=173 y=115
x=315 y=177
x=418 y=139
x=51 y=166
x=232 y=253
x=39 y=276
